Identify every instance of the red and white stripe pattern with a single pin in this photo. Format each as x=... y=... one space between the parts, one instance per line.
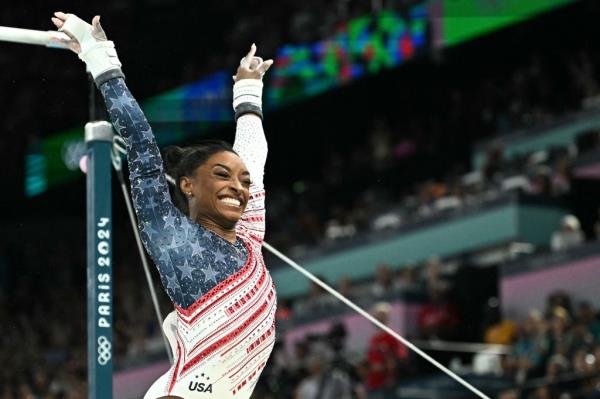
x=252 y=223
x=226 y=337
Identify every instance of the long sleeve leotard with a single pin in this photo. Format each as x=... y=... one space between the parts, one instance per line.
x=222 y=330
x=191 y=259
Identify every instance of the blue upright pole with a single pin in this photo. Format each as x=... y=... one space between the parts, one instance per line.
x=98 y=137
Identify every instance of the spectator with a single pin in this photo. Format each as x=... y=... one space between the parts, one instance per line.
x=587 y=316
x=493 y=164
x=284 y=310
x=581 y=338
x=406 y=278
x=433 y=275
x=557 y=365
x=345 y=288
x=383 y=281
x=541 y=182
x=340 y=226
x=541 y=393
x=317 y=302
x=385 y=354
x=530 y=350
x=568 y=236
x=438 y=318
x=299 y=359
x=560 y=334
x=560 y=299
x=497 y=330
x=323 y=382
x=510 y=394
x=561 y=180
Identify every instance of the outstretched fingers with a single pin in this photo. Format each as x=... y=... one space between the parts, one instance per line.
x=264 y=66
x=97 y=30
x=58 y=20
x=251 y=52
x=61 y=15
x=247 y=60
x=252 y=66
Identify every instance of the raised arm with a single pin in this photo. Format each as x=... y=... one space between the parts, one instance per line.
x=164 y=228
x=250 y=141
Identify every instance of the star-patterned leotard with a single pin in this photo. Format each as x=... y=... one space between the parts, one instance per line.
x=222 y=329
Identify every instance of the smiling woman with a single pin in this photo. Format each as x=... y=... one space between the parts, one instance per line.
x=206 y=243
x=211 y=185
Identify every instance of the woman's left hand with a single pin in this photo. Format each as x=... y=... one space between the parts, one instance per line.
x=252 y=67
x=74 y=43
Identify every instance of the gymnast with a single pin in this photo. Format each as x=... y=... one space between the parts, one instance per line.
x=206 y=240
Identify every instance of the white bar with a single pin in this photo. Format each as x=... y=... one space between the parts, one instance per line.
x=30 y=36
x=466 y=347
x=373 y=320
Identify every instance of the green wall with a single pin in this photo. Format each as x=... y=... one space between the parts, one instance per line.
x=500 y=224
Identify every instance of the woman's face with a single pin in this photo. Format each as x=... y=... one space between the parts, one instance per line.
x=220 y=189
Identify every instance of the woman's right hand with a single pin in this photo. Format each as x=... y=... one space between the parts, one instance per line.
x=252 y=67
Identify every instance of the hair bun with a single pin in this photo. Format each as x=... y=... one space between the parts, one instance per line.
x=172 y=156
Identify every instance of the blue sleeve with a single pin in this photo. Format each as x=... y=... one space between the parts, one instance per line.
x=168 y=235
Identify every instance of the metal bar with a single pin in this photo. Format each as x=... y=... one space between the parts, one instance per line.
x=30 y=36
x=98 y=137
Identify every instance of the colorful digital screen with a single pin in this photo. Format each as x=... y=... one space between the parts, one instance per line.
x=360 y=47
x=463 y=20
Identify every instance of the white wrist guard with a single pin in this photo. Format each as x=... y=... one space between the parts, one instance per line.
x=247 y=91
x=98 y=53
x=101 y=57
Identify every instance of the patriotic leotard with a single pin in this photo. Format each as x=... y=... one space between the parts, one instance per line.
x=222 y=330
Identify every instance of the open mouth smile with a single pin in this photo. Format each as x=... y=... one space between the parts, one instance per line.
x=230 y=201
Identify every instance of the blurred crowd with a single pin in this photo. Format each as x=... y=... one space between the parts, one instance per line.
x=555 y=351
x=43 y=314
x=42 y=311
x=44 y=341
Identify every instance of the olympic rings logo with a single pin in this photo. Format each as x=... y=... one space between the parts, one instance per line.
x=104 y=350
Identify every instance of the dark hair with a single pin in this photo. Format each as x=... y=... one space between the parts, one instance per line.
x=183 y=161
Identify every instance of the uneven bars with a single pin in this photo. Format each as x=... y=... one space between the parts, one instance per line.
x=35 y=37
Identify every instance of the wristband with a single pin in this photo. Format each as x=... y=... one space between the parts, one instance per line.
x=100 y=58
x=98 y=53
x=247 y=108
x=247 y=91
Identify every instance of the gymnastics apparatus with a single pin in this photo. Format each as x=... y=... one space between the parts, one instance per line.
x=103 y=149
